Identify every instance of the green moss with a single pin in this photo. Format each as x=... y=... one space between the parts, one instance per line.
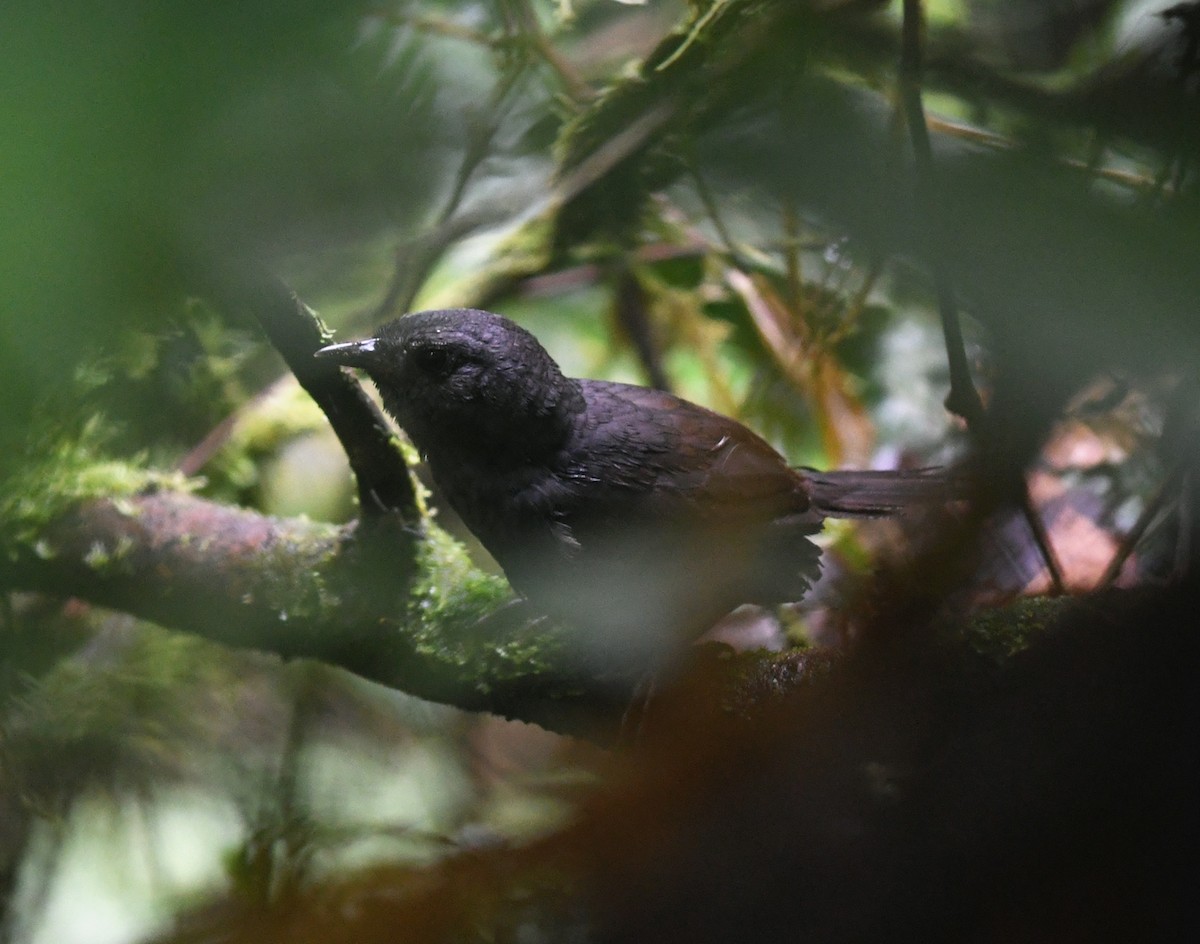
x=449 y=607
x=97 y=558
x=100 y=557
x=48 y=486
x=291 y=575
x=1004 y=631
x=412 y=459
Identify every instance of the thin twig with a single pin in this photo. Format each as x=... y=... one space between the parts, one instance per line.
x=215 y=439
x=963 y=399
x=416 y=257
x=531 y=31
x=441 y=26
x=1090 y=167
x=708 y=201
x=1184 y=544
x=1149 y=513
x=795 y=275
x=632 y=312
x=853 y=311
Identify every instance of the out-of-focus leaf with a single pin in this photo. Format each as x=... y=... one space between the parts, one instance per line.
x=143 y=139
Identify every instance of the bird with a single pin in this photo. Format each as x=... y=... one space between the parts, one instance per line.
x=633 y=515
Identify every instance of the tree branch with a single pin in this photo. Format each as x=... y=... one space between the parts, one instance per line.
x=295 y=331
x=407 y=619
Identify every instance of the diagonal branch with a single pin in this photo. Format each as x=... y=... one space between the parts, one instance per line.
x=963 y=399
x=295 y=331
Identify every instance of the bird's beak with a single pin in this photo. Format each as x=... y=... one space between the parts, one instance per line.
x=350 y=353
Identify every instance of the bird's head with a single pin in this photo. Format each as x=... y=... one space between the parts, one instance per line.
x=464 y=378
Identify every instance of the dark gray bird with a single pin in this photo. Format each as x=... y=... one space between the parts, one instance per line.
x=634 y=515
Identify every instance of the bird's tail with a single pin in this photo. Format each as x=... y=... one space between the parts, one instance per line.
x=854 y=493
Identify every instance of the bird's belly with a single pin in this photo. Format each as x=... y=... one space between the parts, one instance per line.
x=634 y=586
x=639 y=596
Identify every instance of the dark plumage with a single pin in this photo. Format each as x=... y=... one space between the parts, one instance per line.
x=626 y=511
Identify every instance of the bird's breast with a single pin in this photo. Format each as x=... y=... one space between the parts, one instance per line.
x=503 y=506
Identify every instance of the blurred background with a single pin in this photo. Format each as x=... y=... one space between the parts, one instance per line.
x=716 y=197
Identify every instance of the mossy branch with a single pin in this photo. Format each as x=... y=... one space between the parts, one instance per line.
x=400 y=606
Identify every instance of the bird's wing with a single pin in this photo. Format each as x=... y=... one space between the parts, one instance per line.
x=660 y=513
x=670 y=457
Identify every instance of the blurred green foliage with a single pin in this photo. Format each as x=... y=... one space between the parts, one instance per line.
x=144 y=138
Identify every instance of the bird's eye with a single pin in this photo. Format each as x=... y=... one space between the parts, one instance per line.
x=433 y=360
